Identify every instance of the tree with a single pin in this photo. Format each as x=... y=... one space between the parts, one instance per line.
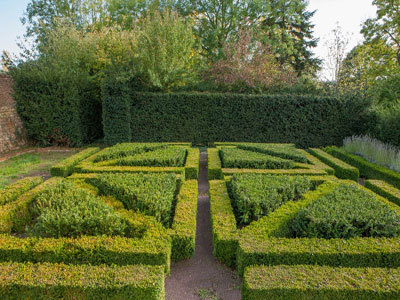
x=386 y=26
x=287 y=28
x=337 y=48
x=249 y=66
x=166 y=50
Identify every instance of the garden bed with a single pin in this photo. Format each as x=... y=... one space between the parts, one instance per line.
x=115 y=222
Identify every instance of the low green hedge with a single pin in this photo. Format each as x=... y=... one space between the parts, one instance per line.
x=384 y=189
x=223 y=223
x=342 y=170
x=286 y=151
x=16 y=215
x=192 y=164
x=320 y=282
x=151 y=194
x=126 y=149
x=367 y=169
x=153 y=249
x=276 y=224
x=189 y=171
x=165 y=157
x=256 y=195
x=184 y=223
x=60 y=281
x=11 y=192
x=356 y=252
x=66 y=167
x=346 y=212
x=244 y=159
x=214 y=164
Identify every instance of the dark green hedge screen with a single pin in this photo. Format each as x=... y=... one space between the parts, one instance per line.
x=308 y=121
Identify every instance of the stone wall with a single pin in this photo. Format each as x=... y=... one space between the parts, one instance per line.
x=12 y=133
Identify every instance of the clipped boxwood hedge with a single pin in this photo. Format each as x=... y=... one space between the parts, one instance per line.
x=214 y=164
x=66 y=167
x=366 y=168
x=98 y=163
x=244 y=159
x=183 y=227
x=11 y=192
x=88 y=250
x=223 y=223
x=307 y=121
x=342 y=170
x=356 y=252
x=286 y=151
x=60 y=281
x=384 y=189
x=320 y=282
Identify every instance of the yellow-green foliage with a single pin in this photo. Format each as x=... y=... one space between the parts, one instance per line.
x=384 y=189
x=11 y=192
x=223 y=223
x=81 y=282
x=342 y=170
x=66 y=167
x=184 y=223
x=320 y=282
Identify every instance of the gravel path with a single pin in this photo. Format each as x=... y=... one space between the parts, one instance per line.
x=202 y=276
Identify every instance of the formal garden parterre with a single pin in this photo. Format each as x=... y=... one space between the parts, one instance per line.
x=112 y=234
x=302 y=234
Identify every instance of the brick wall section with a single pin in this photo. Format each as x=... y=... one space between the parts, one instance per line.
x=12 y=133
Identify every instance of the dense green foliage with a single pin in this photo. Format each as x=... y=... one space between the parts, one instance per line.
x=243 y=159
x=166 y=157
x=66 y=167
x=63 y=210
x=320 y=282
x=11 y=192
x=254 y=195
x=304 y=120
x=286 y=151
x=345 y=213
x=151 y=194
x=126 y=149
x=94 y=250
x=59 y=281
x=342 y=170
x=384 y=189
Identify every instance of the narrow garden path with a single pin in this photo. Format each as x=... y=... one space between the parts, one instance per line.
x=202 y=276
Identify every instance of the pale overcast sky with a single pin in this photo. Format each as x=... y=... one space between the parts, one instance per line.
x=348 y=13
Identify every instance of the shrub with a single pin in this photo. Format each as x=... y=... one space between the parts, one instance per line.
x=342 y=170
x=151 y=194
x=345 y=213
x=307 y=121
x=286 y=151
x=60 y=281
x=320 y=282
x=248 y=66
x=126 y=149
x=384 y=189
x=242 y=159
x=254 y=195
x=63 y=210
x=168 y=157
x=11 y=192
x=374 y=151
x=66 y=167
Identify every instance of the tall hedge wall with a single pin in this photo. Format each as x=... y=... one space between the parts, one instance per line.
x=308 y=121
x=57 y=106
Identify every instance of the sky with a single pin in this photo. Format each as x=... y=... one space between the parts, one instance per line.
x=349 y=14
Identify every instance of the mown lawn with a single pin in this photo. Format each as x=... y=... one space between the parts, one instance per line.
x=29 y=164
